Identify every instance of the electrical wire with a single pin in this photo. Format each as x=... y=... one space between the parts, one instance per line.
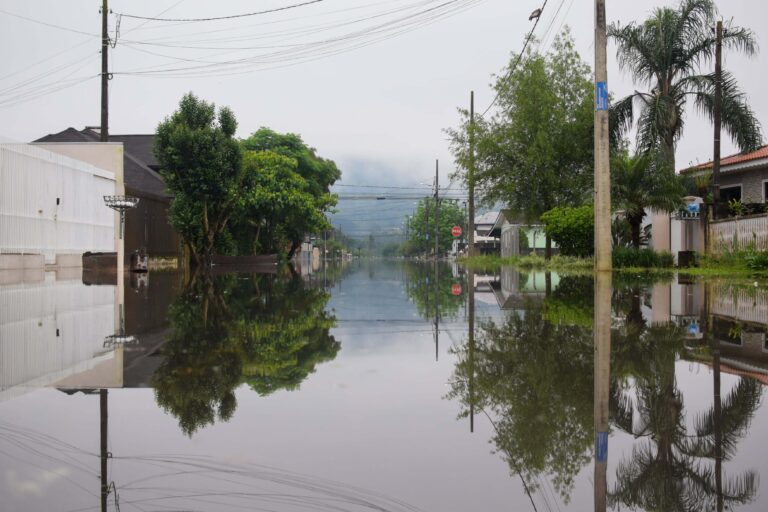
x=245 y=15
x=519 y=58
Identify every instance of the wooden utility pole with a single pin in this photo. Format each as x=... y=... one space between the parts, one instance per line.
x=104 y=131
x=717 y=117
x=471 y=177
x=426 y=228
x=602 y=148
x=103 y=441
x=437 y=213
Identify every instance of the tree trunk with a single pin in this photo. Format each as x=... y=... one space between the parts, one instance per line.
x=548 y=249
x=635 y=224
x=294 y=246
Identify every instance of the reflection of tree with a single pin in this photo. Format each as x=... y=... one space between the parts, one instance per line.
x=571 y=302
x=433 y=297
x=671 y=468
x=535 y=379
x=263 y=329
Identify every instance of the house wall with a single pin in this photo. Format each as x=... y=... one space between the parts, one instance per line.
x=32 y=181
x=751 y=182
x=147 y=226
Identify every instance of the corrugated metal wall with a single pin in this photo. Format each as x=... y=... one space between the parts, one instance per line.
x=31 y=222
x=51 y=329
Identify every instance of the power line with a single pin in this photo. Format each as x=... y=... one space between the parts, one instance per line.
x=59 y=27
x=519 y=58
x=233 y=16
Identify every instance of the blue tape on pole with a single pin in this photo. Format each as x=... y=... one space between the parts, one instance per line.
x=601 y=447
x=601 y=96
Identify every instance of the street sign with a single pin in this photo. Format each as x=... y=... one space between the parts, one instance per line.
x=456 y=231
x=456 y=289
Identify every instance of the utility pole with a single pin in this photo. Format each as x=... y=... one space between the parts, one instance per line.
x=602 y=149
x=717 y=117
x=104 y=131
x=426 y=227
x=103 y=441
x=437 y=213
x=471 y=177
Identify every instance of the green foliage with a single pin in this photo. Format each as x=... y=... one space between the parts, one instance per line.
x=536 y=152
x=420 y=238
x=756 y=260
x=201 y=163
x=572 y=229
x=569 y=303
x=268 y=331
x=624 y=257
x=666 y=52
x=317 y=175
x=643 y=182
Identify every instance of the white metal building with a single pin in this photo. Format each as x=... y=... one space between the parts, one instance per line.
x=52 y=208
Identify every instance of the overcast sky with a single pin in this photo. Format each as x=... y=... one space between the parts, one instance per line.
x=378 y=110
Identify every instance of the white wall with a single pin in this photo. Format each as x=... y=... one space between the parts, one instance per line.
x=31 y=180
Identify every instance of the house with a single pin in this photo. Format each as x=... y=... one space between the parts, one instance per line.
x=147 y=226
x=743 y=176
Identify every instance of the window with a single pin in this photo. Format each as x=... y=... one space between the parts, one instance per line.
x=730 y=193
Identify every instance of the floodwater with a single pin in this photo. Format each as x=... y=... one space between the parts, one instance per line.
x=384 y=386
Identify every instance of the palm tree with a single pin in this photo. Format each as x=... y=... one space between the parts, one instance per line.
x=667 y=54
x=640 y=183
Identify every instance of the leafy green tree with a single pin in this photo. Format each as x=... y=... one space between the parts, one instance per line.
x=319 y=174
x=572 y=228
x=642 y=182
x=667 y=53
x=422 y=229
x=536 y=152
x=200 y=161
x=276 y=204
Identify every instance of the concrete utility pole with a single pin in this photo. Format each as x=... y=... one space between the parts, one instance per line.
x=718 y=116
x=602 y=149
x=104 y=137
x=471 y=177
x=103 y=441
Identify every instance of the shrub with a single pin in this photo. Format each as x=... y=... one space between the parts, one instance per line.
x=645 y=258
x=756 y=260
x=572 y=229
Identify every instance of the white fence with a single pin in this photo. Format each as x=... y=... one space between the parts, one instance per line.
x=51 y=204
x=743 y=305
x=739 y=233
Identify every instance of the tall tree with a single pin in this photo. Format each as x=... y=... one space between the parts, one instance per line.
x=422 y=229
x=667 y=54
x=319 y=173
x=200 y=160
x=642 y=182
x=535 y=153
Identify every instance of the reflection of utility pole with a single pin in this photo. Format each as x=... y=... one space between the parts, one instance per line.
x=602 y=342
x=718 y=405
x=471 y=332
x=437 y=312
x=103 y=414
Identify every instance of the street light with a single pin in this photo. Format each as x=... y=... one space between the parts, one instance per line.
x=121 y=204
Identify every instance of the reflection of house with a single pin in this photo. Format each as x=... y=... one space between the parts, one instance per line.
x=147 y=225
x=515 y=290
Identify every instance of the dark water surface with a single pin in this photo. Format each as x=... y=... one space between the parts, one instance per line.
x=358 y=387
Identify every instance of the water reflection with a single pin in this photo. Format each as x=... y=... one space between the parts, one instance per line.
x=266 y=331
x=531 y=377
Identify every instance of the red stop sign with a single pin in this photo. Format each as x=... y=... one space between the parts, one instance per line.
x=456 y=289
x=456 y=230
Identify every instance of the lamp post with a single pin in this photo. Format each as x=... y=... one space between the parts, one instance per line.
x=121 y=204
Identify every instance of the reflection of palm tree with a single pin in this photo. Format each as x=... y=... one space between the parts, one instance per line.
x=668 y=471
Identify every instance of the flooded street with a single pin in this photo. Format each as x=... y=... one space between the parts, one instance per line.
x=362 y=387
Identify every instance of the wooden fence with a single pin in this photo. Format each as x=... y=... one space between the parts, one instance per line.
x=739 y=233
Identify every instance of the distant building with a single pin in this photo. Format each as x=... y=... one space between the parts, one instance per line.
x=147 y=226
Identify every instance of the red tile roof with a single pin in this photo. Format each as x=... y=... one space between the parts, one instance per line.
x=733 y=159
